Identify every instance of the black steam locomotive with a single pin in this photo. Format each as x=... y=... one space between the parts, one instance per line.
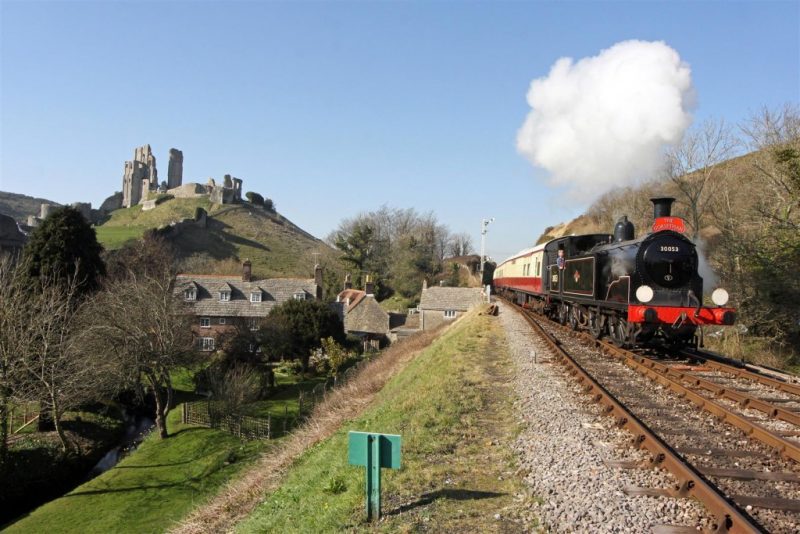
x=637 y=291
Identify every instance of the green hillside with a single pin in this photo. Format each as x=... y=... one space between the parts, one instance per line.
x=234 y=232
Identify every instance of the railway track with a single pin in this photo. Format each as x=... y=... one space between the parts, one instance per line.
x=737 y=453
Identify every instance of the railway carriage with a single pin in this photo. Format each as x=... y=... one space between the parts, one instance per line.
x=638 y=291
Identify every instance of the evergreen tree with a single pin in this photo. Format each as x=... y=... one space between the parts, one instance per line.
x=65 y=246
x=297 y=326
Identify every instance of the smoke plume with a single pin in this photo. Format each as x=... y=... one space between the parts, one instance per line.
x=605 y=120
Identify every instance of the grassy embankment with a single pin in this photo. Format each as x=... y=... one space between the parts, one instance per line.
x=452 y=406
x=162 y=480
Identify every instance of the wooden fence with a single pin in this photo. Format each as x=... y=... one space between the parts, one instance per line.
x=205 y=413
x=210 y=414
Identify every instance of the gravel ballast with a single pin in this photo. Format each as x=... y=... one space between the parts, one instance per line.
x=562 y=447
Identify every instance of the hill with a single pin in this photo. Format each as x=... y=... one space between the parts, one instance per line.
x=228 y=235
x=20 y=206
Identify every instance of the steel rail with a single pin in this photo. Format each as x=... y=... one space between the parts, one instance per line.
x=786 y=387
x=787 y=448
x=744 y=400
x=729 y=517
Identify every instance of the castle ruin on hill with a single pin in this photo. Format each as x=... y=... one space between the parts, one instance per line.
x=140 y=178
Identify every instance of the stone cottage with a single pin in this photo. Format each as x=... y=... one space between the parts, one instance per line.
x=362 y=315
x=220 y=302
x=440 y=304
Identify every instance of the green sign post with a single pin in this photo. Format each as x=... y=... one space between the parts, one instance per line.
x=374 y=451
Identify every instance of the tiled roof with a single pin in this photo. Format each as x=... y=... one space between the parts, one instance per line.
x=367 y=316
x=273 y=291
x=353 y=296
x=363 y=314
x=450 y=298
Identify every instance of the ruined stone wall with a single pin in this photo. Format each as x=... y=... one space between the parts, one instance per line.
x=139 y=177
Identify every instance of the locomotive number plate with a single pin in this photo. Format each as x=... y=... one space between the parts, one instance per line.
x=669 y=248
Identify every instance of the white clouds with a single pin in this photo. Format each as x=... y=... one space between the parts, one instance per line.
x=604 y=121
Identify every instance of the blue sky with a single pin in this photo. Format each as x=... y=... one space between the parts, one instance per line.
x=339 y=107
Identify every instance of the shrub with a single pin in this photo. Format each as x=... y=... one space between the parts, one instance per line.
x=254 y=198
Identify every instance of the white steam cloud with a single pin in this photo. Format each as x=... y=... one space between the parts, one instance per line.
x=605 y=120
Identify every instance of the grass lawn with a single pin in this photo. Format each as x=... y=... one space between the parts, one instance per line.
x=151 y=489
x=114 y=237
x=452 y=406
x=283 y=406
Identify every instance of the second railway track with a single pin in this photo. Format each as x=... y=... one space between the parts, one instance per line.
x=731 y=450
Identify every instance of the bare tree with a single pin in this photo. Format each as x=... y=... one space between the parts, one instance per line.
x=14 y=342
x=234 y=388
x=144 y=327
x=460 y=245
x=50 y=367
x=693 y=165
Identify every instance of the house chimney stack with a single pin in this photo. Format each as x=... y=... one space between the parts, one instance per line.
x=247 y=271
x=318 y=275
x=318 y=280
x=424 y=284
x=347 y=283
x=369 y=286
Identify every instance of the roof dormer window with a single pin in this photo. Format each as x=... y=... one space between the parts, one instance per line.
x=190 y=294
x=299 y=296
x=224 y=296
x=255 y=296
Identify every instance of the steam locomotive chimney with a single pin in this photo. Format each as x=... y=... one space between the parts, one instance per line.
x=662 y=206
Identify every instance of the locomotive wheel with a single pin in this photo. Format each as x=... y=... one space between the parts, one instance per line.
x=619 y=331
x=563 y=313
x=573 y=317
x=597 y=324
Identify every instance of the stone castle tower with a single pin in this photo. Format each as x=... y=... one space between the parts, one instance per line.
x=175 y=171
x=141 y=175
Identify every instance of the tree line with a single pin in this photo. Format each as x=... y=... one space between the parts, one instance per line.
x=79 y=326
x=397 y=247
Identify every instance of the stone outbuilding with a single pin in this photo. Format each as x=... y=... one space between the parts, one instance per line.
x=441 y=304
x=362 y=315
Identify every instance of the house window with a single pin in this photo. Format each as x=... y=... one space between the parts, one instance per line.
x=205 y=322
x=190 y=294
x=299 y=296
x=222 y=320
x=252 y=323
x=224 y=296
x=206 y=343
x=255 y=297
x=449 y=314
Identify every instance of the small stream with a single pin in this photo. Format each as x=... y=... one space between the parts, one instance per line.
x=137 y=427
